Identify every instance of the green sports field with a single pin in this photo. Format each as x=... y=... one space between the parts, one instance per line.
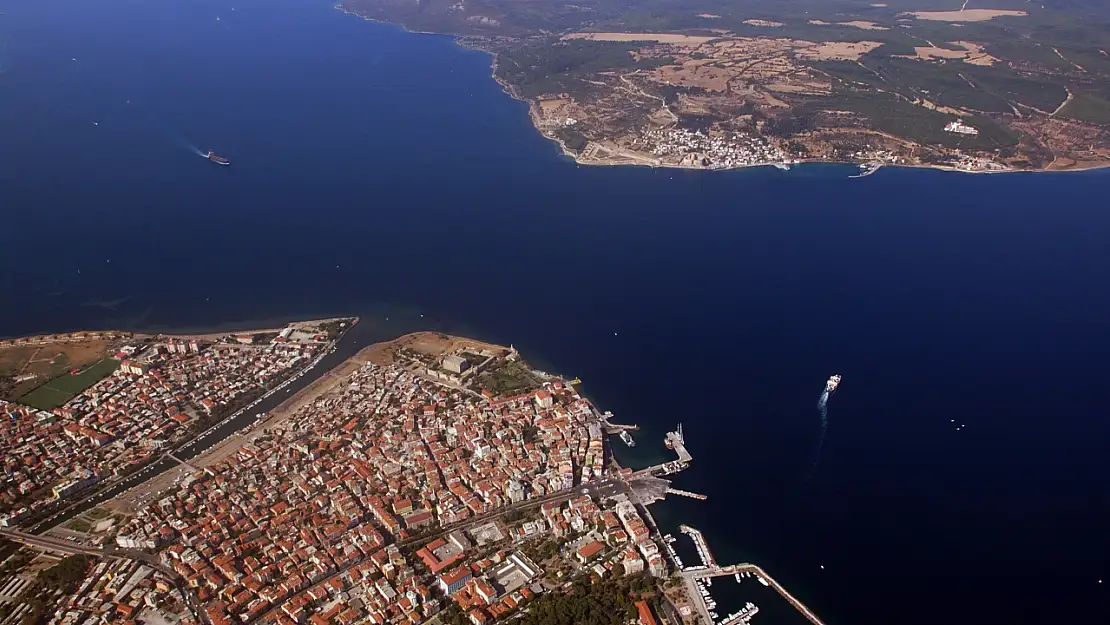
x=63 y=388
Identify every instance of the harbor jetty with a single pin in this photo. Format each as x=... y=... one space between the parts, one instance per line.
x=700 y=544
x=677 y=443
x=698 y=578
x=761 y=575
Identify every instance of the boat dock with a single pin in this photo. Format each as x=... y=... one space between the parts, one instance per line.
x=676 y=442
x=743 y=616
x=697 y=578
x=614 y=428
x=866 y=169
x=762 y=576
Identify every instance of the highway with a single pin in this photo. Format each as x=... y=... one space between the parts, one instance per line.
x=52 y=544
x=72 y=548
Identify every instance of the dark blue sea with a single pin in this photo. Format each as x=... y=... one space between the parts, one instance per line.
x=963 y=474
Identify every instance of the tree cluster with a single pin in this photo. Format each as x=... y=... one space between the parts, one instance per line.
x=608 y=602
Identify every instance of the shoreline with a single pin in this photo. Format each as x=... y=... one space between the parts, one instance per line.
x=461 y=41
x=799 y=163
x=200 y=333
x=588 y=161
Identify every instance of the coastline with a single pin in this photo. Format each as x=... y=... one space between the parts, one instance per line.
x=821 y=274
x=581 y=159
x=200 y=332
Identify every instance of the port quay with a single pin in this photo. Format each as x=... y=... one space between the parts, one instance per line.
x=698 y=578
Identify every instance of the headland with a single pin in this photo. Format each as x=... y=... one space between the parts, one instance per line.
x=432 y=468
x=975 y=90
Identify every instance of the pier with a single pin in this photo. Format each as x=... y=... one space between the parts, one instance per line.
x=701 y=546
x=686 y=493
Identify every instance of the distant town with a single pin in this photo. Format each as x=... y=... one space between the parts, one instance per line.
x=429 y=479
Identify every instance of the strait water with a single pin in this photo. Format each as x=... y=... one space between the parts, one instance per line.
x=382 y=173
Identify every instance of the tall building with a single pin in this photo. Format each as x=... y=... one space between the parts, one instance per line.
x=514 y=491
x=453 y=580
x=632 y=563
x=544 y=399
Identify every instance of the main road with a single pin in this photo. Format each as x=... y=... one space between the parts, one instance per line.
x=73 y=548
x=597 y=489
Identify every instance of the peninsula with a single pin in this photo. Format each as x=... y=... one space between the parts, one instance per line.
x=427 y=479
x=1005 y=86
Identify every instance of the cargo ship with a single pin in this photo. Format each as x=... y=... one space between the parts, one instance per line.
x=219 y=160
x=831 y=385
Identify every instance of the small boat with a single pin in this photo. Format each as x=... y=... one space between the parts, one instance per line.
x=219 y=160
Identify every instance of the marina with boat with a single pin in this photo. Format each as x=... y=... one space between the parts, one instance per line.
x=866 y=169
x=698 y=577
